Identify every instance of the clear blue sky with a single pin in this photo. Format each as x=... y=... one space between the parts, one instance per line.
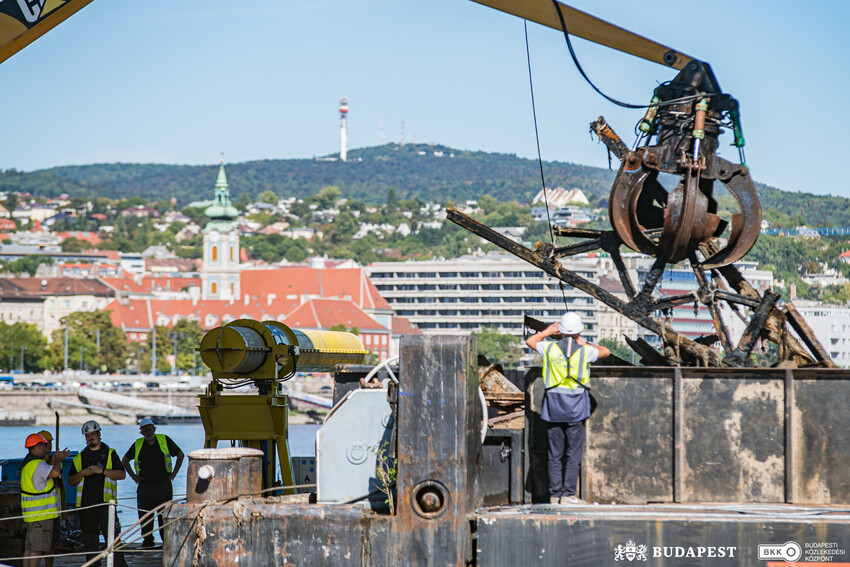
x=168 y=81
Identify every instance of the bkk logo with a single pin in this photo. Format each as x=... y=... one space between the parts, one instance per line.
x=788 y=551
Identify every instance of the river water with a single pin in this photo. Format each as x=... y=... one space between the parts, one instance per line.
x=302 y=443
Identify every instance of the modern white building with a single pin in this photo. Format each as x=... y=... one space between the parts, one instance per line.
x=470 y=293
x=831 y=326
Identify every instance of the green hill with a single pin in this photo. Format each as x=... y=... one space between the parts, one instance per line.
x=428 y=172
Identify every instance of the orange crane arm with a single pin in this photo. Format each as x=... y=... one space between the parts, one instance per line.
x=24 y=21
x=591 y=28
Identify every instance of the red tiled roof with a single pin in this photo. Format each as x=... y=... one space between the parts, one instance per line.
x=341 y=283
x=89 y=237
x=62 y=286
x=125 y=284
x=140 y=314
x=325 y=313
x=403 y=326
x=149 y=284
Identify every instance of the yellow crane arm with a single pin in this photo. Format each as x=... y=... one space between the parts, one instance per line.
x=24 y=21
x=591 y=28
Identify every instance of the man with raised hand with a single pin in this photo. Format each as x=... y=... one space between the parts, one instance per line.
x=40 y=498
x=566 y=403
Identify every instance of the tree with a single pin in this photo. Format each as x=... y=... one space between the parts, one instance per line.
x=11 y=202
x=497 y=347
x=342 y=229
x=188 y=334
x=297 y=252
x=268 y=197
x=488 y=204
x=327 y=197
x=83 y=329
x=391 y=200
x=23 y=338
x=74 y=245
x=28 y=264
x=164 y=347
x=618 y=349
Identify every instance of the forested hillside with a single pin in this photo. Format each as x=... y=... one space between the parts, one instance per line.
x=423 y=171
x=427 y=172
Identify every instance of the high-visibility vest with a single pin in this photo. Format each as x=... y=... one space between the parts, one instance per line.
x=163 y=446
x=562 y=375
x=110 y=487
x=37 y=505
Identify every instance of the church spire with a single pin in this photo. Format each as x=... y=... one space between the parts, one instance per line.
x=222 y=212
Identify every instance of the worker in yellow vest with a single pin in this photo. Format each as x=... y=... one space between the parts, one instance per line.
x=60 y=482
x=154 y=472
x=566 y=403
x=95 y=472
x=40 y=499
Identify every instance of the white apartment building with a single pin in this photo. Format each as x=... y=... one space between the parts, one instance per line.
x=470 y=293
x=831 y=326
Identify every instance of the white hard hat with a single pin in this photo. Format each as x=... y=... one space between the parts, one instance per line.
x=570 y=324
x=90 y=426
x=146 y=421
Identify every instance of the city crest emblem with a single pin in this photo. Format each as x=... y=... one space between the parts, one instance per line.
x=630 y=552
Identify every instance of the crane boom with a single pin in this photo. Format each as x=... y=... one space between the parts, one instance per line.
x=591 y=28
x=24 y=21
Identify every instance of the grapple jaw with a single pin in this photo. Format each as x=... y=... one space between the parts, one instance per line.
x=650 y=219
x=685 y=118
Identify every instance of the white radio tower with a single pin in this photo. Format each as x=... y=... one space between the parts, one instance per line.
x=343 y=130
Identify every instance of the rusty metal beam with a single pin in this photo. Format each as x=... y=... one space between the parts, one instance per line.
x=622 y=271
x=805 y=332
x=751 y=334
x=637 y=314
x=774 y=327
x=736 y=298
x=673 y=301
x=570 y=232
x=644 y=298
x=578 y=248
x=707 y=297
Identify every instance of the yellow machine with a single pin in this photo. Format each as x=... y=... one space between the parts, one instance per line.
x=265 y=354
x=21 y=23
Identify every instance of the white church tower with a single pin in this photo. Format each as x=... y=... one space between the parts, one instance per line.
x=220 y=273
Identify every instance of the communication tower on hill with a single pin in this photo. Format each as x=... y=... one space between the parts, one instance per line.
x=343 y=130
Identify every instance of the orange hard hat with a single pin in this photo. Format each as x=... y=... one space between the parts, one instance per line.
x=34 y=439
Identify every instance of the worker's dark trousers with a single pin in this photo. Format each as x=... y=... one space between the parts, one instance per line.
x=566 y=447
x=94 y=522
x=148 y=497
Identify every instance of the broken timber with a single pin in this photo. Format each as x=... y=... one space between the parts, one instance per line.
x=766 y=322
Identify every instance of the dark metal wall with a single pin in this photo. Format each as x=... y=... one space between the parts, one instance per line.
x=586 y=537
x=710 y=435
x=439 y=455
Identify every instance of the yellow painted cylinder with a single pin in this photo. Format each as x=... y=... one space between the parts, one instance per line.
x=321 y=351
x=270 y=349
